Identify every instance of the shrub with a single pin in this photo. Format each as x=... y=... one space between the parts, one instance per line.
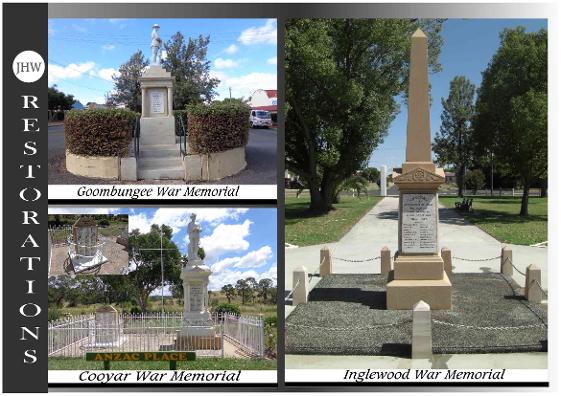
x=271 y=321
x=53 y=313
x=100 y=132
x=218 y=127
x=177 y=114
x=226 y=307
x=475 y=180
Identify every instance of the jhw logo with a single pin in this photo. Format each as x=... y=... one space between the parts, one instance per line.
x=28 y=66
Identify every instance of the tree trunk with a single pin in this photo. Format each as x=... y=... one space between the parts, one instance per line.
x=525 y=197
x=543 y=188
x=143 y=301
x=460 y=181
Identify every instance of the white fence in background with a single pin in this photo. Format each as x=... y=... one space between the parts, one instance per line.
x=73 y=336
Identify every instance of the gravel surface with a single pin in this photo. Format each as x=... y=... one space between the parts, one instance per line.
x=346 y=315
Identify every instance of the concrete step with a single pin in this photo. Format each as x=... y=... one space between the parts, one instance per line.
x=160 y=162
x=159 y=173
x=159 y=150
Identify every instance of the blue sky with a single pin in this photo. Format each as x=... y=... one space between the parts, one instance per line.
x=85 y=53
x=238 y=242
x=469 y=45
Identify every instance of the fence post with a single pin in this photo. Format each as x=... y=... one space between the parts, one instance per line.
x=446 y=255
x=300 y=285
x=421 y=347
x=385 y=261
x=506 y=261
x=324 y=262
x=261 y=336
x=532 y=290
x=222 y=338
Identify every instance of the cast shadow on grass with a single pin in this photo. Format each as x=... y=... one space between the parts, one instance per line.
x=371 y=299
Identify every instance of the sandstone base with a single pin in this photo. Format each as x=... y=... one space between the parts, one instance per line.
x=92 y=166
x=404 y=294
x=192 y=343
x=214 y=166
x=418 y=267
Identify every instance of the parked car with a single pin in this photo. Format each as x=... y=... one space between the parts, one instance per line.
x=260 y=118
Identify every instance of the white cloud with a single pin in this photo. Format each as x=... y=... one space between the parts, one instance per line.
x=226 y=238
x=139 y=221
x=244 y=86
x=73 y=70
x=220 y=63
x=83 y=211
x=108 y=73
x=272 y=61
x=253 y=259
x=231 y=49
x=266 y=34
x=108 y=47
x=219 y=279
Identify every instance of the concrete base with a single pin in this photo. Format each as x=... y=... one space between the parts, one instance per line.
x=128 y=169
x=157 y=130
x=404 y=294
x=418 y=267
x=92 y=166
x=214 y=166
x=191 y=343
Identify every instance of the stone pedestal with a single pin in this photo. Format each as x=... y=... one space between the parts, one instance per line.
x=418 y=270
x=324 y=262
x=157 y=124
x=197 y=330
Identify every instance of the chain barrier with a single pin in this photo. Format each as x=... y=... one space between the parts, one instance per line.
x=513 y=266
x=350 y=328
x=316 y=272
x=292 y=291
x=356 y=261
x=484 y=259
x=490 y=327
x=541 y=288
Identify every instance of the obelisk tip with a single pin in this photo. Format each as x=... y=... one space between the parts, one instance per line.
x=419 y=33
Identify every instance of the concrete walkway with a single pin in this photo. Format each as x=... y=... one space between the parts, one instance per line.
x=378 y=228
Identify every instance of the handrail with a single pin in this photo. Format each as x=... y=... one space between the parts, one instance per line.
x=136 y=137
x=182 y=137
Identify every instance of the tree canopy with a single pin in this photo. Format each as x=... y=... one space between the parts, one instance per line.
x=127 y=83
x=343 y=80
x=511 y=110
x=58 y=100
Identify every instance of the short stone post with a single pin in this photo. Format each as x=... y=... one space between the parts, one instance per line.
x=446 y=255
x=506 y=261
x=385 y=261
x=421 y=347
x=324 y=262
x=300 y=286
x=532 y=290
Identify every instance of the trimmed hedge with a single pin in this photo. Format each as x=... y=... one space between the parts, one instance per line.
x=217 y=127
x=99 y=132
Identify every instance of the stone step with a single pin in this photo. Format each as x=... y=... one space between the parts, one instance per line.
x=160 y=150
x=160 y=173
x=160 y=162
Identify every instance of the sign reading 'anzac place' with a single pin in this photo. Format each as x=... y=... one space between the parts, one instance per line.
x=419 y=223
x=157 y=102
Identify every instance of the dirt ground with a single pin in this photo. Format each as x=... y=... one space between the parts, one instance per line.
x=117 y=264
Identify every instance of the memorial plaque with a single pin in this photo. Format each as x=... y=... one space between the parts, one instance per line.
x=419 y=223
x=196 y=298
x=157 y=102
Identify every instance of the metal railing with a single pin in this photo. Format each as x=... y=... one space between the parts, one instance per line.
x=59 y=234
x=182 y=137
x=136 y=137
x=73 y=336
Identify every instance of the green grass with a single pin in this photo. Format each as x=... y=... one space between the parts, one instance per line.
x=67 y=363
x=498 y=216
x=303 y=229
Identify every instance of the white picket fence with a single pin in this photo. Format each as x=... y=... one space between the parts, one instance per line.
x=76 y=335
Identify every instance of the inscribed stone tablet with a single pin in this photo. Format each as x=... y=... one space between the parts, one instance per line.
x=196 y=298
x=156 y=102
x=418 y=223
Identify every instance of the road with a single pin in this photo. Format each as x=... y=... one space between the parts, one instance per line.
x=261 y=157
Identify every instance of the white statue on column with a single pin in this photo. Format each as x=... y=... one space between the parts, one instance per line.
x=156 y=46
x=194 y=231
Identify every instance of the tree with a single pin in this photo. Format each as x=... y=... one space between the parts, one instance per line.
x=342 y=80
x=371 y=174
x=243 y=288
x=127 y=83
x=453 y=143
x=229 y=292
x=148 y=274
x=475 y=180
x=511 y=109
x=190 y=68
x=253 y=288
x=353 y=183
x=263 y=288
x=58 y=100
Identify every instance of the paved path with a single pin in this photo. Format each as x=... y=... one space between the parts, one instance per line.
x=378 y=228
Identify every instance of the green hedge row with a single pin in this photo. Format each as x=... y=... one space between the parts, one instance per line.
x=99 y=132
x=218 y=127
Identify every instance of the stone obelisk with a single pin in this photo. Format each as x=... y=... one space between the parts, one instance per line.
x=418 y=270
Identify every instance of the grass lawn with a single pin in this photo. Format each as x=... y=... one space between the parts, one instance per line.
x=67 y=363
x=303 y=230
x=498 y=216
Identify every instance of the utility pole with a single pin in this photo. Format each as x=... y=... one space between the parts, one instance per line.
x=230 y=88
